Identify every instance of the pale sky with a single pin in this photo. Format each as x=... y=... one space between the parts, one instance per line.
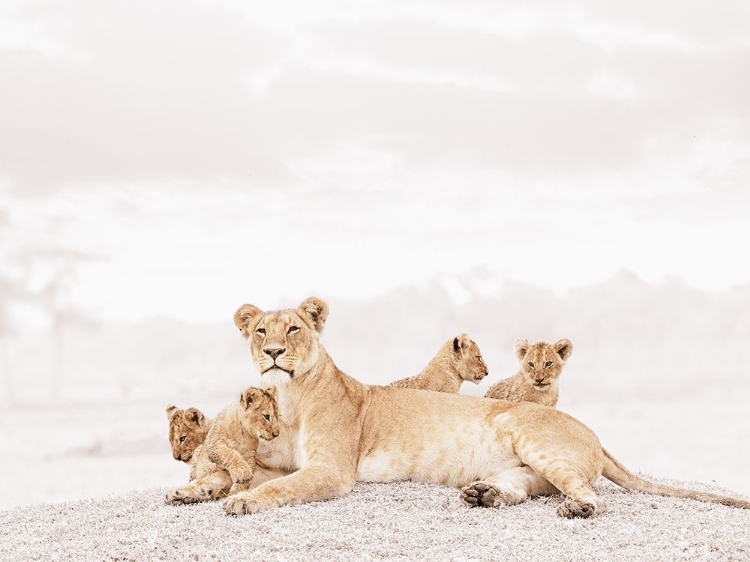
x=181 y=158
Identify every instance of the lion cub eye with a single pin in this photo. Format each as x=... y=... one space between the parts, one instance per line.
x=260 y=331
x=182 y=439
x=266 y=417
x=548 y=364
x=531 y=365
x=292 y=329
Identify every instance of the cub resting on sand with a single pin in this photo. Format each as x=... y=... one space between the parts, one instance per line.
x=537 y=381
x=458 y=360
x=187 y=432
x=341 y=431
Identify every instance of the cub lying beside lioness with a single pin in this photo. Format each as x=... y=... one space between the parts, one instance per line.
x=340 y=431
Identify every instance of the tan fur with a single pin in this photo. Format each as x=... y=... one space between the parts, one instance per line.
x=538 y=379
x=233 y=440
x=187 y=432
x=458 y=360
x=339 y=431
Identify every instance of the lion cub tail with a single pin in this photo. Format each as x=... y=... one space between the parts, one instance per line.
x=621 y=476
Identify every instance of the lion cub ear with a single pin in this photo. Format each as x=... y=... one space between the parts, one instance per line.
x=521 y=347
x=250 y=396
x=316 y=310
x=563 y=348
x=461 y=343
x=245 y=315
x=171 y=411
x=271 y=390
x=194 y=415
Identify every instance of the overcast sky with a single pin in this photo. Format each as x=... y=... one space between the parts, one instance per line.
x=180 y=158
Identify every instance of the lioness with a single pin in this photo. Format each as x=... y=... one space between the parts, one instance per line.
x=233 y=440
x=341 y=431
x=458 y=360
x=537 y=380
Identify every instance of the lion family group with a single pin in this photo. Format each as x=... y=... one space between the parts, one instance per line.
x=309 y=431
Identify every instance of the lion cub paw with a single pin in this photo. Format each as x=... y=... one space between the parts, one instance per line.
x=178 y=497
x=485 y=494
x=571 y=508
x=240 y=486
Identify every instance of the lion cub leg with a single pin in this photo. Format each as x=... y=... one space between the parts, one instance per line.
x=240 y=468
x=510 y=487
x=211 y=487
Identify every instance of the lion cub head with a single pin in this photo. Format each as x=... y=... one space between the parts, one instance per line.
x=284 y=343
x=470 y=365
x=542 y=362
x=259 y=412
x=187 y=430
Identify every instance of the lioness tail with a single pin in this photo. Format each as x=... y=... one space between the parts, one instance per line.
x=621 y=476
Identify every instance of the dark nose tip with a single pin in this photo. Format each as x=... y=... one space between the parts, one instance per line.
x=275 y=352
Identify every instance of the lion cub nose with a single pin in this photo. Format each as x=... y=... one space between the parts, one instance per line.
x=274 y=352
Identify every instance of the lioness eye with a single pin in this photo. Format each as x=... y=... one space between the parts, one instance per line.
x=531 y=365
x=292 y=329
x=266 y=417
x=548 y=364
x=182 y=439
x=260 y=331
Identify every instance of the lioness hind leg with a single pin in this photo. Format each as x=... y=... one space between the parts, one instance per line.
x=510 y=487
x=581 y=500
x=208 y=488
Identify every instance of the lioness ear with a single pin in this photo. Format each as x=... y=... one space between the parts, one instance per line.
x=245 y=315
x=171 y=411
x=248 y=396
x=521 y=347
x=194 y=415
x=461 y=343
x=563 y=348
x=316 y=310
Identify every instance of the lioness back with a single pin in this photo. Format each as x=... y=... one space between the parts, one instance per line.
x=538 y=379
x=458 y=360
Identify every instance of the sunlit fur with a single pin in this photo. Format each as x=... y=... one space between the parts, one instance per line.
x=458 y=360
x=337 y=431
x=187 y=431
x=538 y=379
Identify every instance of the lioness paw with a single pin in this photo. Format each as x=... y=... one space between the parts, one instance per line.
x=488 y=495
x=571 y=508
x=240 y=505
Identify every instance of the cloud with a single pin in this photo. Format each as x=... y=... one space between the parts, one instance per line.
x=205 y=92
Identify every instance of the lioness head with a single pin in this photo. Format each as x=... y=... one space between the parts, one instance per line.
x=283 y=343
x=187 y=430
x=542 y=362
x=261 y=412
x=471 y=366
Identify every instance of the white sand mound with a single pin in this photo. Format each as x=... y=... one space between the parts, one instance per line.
x=397 y=521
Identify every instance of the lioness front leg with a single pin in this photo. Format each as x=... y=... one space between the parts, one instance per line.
x=510 y=487
x=311 y=483
x=208 y=488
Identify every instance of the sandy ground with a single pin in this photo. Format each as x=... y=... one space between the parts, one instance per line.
x=396 y=521
x=69 y=453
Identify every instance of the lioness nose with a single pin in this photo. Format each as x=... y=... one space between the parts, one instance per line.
x=274 y=352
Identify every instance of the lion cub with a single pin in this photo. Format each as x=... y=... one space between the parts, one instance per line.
x=458 y=360
x=233 y=439
x=537 y=381
x=187 y=432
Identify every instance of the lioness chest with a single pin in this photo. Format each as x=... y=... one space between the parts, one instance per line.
x=432 y=437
